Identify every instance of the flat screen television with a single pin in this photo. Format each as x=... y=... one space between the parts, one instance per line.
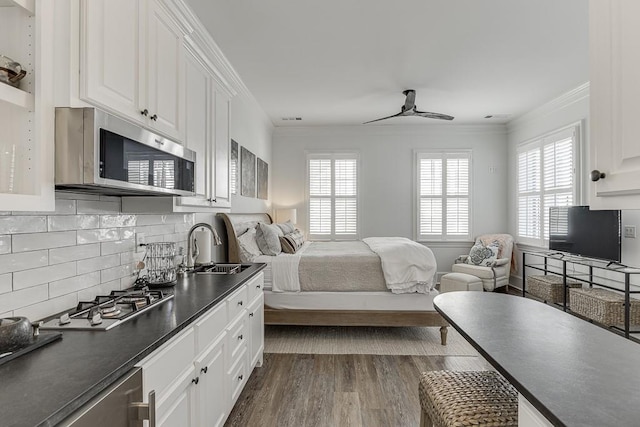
x=589 y=233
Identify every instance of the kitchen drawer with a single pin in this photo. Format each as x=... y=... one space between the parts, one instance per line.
x=210 y=326
x=238 y=375
x=237 y=337
x=255 y=286
x=160 y=370
x=237 y=302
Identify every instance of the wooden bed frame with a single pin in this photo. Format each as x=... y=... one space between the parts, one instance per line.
x=274 y=316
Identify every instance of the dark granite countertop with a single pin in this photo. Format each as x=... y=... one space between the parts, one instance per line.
x=573 y=372
x=47 y=385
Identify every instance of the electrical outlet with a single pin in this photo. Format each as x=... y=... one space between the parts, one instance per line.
x=630 y=231
x=141 y=239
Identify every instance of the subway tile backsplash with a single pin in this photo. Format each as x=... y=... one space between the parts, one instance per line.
x=51 y=260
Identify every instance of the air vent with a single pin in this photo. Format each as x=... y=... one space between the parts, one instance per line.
x=497 y=116
x=291 y=118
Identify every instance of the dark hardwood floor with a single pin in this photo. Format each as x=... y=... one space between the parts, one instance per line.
x=339 y=390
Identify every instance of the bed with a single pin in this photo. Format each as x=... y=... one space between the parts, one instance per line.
x=338 y=301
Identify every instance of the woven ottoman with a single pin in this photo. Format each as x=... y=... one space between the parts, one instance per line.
x=467 y=398
x=603 y=306
x=452 y=282
x=549 y=288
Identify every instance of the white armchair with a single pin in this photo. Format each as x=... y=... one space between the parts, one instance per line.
x=496 y=274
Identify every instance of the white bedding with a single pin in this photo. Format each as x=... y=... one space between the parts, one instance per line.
x=408 y=266
x=375 y=301
x=283 y=270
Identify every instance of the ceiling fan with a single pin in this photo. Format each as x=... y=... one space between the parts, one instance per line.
x=409 y=109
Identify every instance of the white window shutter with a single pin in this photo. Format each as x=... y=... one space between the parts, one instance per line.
x=333 y=195
x=546 y=178
x=444 y=195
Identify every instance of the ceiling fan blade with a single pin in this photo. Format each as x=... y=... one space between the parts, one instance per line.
x=432 y=115
x=384 y=118
x=410 y=102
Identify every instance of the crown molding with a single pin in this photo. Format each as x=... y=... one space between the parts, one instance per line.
x=552 y=107
x=415 y=130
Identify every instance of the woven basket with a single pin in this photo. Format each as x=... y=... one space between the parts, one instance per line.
x=468 y=398
x=603 y=306
x=549 y=288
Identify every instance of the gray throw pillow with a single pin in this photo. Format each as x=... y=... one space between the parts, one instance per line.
x=286 y=227
x=268 y=238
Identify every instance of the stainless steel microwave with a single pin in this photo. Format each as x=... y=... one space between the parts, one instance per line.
x=101 y=153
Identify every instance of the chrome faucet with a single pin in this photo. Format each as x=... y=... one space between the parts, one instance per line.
x=192 y=248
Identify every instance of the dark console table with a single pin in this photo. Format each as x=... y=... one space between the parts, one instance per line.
x=573 y=372
x=589 y=271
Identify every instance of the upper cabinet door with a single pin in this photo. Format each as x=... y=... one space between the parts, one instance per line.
x=197 y=134
x=111 y=54
x=222 y=143
x=614 y=43
x=165 y=79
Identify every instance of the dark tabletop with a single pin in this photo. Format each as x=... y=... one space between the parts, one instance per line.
x=45 y=386
x=573 y=372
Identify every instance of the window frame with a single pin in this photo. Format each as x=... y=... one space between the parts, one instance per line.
x=540 y=142
x=444 y=154
x=333 y=155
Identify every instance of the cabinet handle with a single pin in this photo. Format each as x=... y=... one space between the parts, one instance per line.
x=214 y=200
x=596 y=175
x=154 y=117
x=240 y=377
x=250 y=314
x=259 y=286
x=144 y=112
x=159 y=141
x=139 y=411
x=196 y=380
x=204 y=370
x=239 y=302
x=240 y=336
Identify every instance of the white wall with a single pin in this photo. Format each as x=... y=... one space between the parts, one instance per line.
x=569 y=108
x=387 y=190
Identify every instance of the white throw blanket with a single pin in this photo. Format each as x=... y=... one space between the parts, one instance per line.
x=284 y=270
x=408 y=266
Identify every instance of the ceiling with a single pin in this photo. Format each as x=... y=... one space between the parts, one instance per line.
x=344 y=62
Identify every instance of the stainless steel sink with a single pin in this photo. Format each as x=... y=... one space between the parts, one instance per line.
x=221 y=269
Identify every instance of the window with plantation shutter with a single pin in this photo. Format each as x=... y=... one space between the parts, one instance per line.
x=333 y=196
x=444 y=196
x=546 y=177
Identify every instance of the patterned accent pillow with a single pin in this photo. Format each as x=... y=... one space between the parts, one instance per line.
x=268 y=238
x=248 y=247
x=286 y=227
x=292 y=242
x=483 y=255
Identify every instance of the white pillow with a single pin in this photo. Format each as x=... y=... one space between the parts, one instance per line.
x=249 y=249
x=286 y=227
x=267 y=238
x=483 y=255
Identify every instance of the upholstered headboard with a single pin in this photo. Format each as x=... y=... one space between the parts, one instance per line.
x=238 y=223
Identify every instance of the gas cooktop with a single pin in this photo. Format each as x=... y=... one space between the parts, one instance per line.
x=108 y=311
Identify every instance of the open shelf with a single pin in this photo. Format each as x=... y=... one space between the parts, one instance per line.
x=16 y=96
x=28 y=5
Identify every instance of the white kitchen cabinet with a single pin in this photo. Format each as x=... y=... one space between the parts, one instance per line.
x=27 y=125
x=131 y=62
x=199 y=374
x=614 y=42
x=214 y=398
x=207 y=131
x=256 y=331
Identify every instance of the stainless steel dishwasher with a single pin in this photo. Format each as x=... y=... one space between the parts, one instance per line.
x=120 y=405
